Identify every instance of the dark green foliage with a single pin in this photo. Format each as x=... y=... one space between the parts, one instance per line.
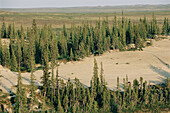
x=6 y=56
x=13 y=61
x=43 y=46
x=79 y=41
x=73 y=97
x=165 y=27
x=3 y=30
x=21 y=99
x=45 y=59
x=154 y=29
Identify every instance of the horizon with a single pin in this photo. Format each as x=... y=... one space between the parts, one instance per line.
x=82 y=6
x=76 y=3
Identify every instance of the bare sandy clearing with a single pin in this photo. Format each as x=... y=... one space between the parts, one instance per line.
x=153 y=64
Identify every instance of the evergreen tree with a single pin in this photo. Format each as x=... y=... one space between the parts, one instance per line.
x=21 y=100
x=71 y=54
x=3 y=30
x=65 y=103
x=13 y=61
x=165 y=27
x=154 y=28
x=45 y=78
x=59 y=107
x=32 y=77
x=6 y=56
x=9 y=31
x=95 y=78
x=34 y=26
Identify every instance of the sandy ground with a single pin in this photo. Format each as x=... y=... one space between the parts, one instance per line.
x=153 y=64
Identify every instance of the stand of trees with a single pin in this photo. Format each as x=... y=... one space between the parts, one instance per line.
x=74 y=97
x=75 y=43
x=42 y=45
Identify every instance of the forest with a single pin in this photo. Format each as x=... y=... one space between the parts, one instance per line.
x=31 y=46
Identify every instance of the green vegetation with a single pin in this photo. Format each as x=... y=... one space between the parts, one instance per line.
x=74 y=43
x=73 y=97
x=45 y=46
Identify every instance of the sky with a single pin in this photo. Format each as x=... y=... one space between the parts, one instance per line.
x=74 y=3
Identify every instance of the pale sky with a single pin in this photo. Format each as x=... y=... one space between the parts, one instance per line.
x=74 y=3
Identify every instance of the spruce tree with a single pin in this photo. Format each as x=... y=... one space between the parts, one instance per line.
x=165 y=27
x=6 y=56
x=59 y=107
x=71 y=54
x=9 y=31
x=154 y=27
x=102 y=81
x=54 y=55
x=13 y=61
x=3 y=29
x=45 y=78
x=21 y=100
x=65 y=103
x=95 y=78
x=32 y=77
x=34 y=26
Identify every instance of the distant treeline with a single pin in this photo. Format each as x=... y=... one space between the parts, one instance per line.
x=76 y=43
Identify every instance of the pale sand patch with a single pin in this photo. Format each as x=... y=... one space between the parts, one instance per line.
x=153 y=64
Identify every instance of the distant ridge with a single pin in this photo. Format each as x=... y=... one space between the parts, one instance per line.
x=95 y=9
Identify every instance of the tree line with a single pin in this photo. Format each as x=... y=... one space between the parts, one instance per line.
x=76 y=42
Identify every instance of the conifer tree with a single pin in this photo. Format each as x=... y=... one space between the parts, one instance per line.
x=59 y=107
x=32 y=77
x=71 y=54
x=101 y=77
x=13 y=61
x=9 y=31
x=54 y=55
x=64 y=31
x=82 y=50
x=45 y=78
x=154 y=27
x=95 y=78
x=6 y=56
x=22 y=37
x=34 y=26
x=165 y=27
x=118 y=85
x=123 y=36
x=65 y=103
x=21 y=100
x=130 y=33
x=3 y=29
x=14 y=33
x=106 y=101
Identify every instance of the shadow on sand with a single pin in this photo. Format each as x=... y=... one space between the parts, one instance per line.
x=163 y=74
x=9 y=81
x=164 y=63
x=36 y=83
x=7 y=89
